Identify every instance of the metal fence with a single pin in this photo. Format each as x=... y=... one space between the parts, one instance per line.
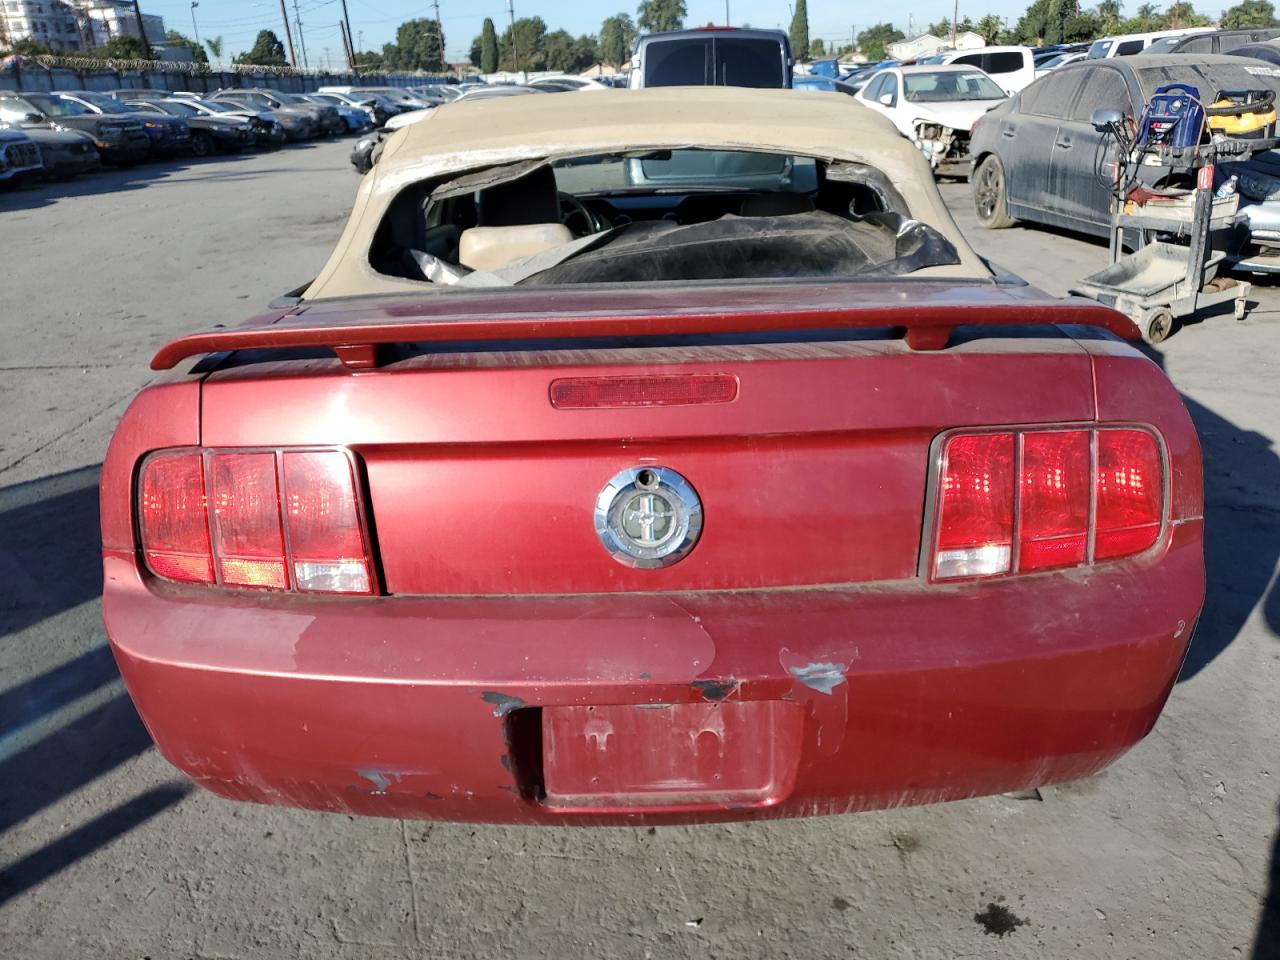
x=36 y=75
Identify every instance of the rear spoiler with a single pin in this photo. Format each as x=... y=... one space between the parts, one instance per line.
x=357 y=335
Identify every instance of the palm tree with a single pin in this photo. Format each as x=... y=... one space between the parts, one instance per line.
x=215 y=47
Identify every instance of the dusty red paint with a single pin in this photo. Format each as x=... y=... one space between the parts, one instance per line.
x=835 y=677
x=929 y=311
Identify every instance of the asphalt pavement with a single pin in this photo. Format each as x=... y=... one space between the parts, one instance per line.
x=105 y=851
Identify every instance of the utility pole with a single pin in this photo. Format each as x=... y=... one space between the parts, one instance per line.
x=955 y=15
x=515 y=47
x=146 y=44
x=288 y=35
x=302 y=41
x=195 y=29
x=351 y=50
x=440 y=34
x=346 y=48
x=727 y=21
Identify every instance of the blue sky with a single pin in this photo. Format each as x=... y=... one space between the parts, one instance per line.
x=238 y=21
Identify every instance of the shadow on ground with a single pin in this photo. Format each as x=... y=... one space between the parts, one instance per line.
x=71 y=724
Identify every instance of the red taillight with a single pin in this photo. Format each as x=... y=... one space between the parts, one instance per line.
x=975 y=523
x=268 y=519
x=173 y=518
x=1066 y=490
x=576 y=393
x=326 y=542
x=1054 y=499
x=1130 y=489
x=248 y=542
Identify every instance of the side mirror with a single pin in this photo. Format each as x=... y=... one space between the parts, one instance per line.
x=33 y=118
x=886 y=99
x=1103 y=120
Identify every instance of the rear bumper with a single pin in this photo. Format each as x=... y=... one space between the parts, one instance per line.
x=435 y=707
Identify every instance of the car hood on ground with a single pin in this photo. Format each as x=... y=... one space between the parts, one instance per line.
x=960 y=114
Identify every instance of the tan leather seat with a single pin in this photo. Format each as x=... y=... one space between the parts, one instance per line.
x=490 y=248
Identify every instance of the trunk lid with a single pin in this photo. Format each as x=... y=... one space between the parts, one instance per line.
x=814 y=473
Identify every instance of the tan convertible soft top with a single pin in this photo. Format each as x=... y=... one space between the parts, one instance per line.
x=472 y=135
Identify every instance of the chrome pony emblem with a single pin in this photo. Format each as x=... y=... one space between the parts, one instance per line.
x=648 y=517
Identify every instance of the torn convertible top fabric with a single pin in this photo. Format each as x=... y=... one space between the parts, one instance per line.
x=796 y=245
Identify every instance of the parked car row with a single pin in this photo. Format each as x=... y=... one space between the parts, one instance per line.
x=68 y=132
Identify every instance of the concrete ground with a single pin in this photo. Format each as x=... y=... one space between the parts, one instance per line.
x=105 y=851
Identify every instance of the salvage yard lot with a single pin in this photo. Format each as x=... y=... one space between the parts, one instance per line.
x=105 y=851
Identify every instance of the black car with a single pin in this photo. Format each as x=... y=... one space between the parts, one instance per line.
x=1218 y=41
x=1266 y=52
x=724 y=57
x=169 y=135
x=208 y=133
x=121 y=141
x=1038 y=157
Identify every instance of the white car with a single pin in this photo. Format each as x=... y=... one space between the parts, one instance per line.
x=1061 y=60
x=934 y=107
x=1127 y=44
x=1011 y=67
x=565 y=82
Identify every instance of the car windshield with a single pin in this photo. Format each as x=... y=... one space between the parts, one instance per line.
x=1163 y=45
x=102 y=102
x=214 y=106
x=58 y=107
x=943 y=85
x=687 y=170
x=656 y=215
x=1098 y=49
x=176 y=109
x=13 y=109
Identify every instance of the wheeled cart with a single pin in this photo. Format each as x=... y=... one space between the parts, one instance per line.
x=1162 y=282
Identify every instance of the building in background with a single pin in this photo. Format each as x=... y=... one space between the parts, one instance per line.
x=51 y=22
x=107 y=19
x=927 y=45
x=70 y=25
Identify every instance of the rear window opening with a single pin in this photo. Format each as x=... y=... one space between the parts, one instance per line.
x=660 y=215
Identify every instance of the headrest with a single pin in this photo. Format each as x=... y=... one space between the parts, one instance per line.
x=490 y=248
x=532 y=198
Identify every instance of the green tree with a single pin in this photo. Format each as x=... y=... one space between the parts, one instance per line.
x=120 y=48
x=174 y=39
x=940 y=29
x=1183 y=14
x=528 y=52
x=1108 y=12
x=873 y=40
x=31 y=48
x=214 y=46
x=617 y=37
x=367 y=60
x=989 y=27
x=565 y=54
x=267 y=51
x=488 y=47
x=800 y=30
x=817 y=49
x=586 y=52
x=1250 y=13
x=656 y=16
x=418 y=46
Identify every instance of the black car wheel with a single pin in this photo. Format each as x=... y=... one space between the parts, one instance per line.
x=990 y=198
x=201 y=143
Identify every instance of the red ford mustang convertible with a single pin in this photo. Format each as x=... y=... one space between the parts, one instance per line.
x=633 y=460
